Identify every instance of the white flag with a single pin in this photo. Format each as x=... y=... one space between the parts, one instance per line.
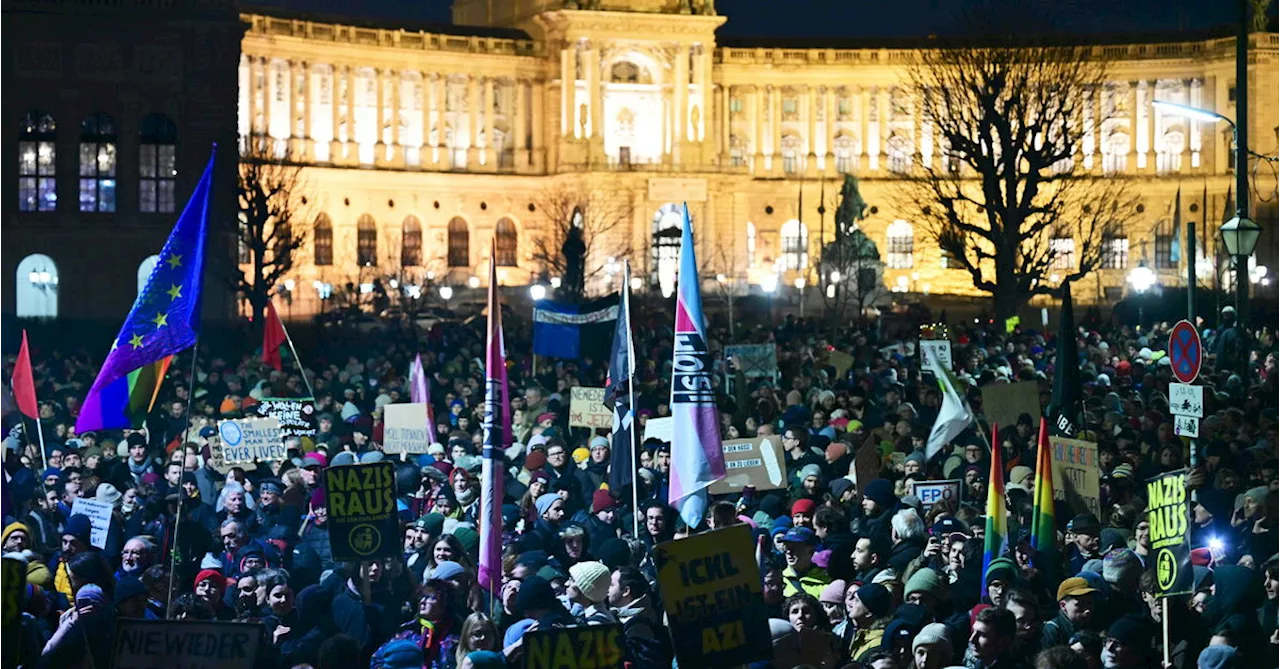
x=954 y=414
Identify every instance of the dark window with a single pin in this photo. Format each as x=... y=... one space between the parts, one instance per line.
x=1166 y=246
x=366 y=241
x=157 y=164
x=507 y=243
x=323 y=237
x=282 y=242
x=98 y=163
x=411 y=243
x=459 y=243
x=37 y=163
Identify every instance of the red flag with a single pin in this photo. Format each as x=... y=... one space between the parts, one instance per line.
x=24 y=386
x=273 y=337
x=497 y=437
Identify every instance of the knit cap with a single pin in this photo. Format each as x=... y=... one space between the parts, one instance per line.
x=924 y=580
x=876 y=598
x=592 y=578
x=933 y=634
x=543 y=503
x=834 y=592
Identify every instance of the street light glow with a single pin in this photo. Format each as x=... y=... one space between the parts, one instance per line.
x=474 y=282
x=799 y=282
x=537 y=291
x=1187 y=111
x=835 y=276
x=1142 y=278
x=446 y=292
x=769 y=283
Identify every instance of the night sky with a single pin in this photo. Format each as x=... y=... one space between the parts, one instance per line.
x=862 y=18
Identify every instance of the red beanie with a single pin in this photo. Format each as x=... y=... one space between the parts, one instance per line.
x=535 y=460
x=804 y=506
x=319 y=498
x=207 y=574
x=602 y=500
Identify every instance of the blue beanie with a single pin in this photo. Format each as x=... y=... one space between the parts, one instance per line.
x=544 y=502
x=880 y=491
x=486 y=659
x=399 y=654
x=79 y=527
x=1218 y=657
x=780 y=526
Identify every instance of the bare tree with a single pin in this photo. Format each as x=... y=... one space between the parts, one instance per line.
x=601 y=217
x=1010 y=118
x=271 y=227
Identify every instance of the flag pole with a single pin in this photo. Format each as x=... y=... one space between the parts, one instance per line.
x=631 y=403
x=296 y=360
x=177 y=519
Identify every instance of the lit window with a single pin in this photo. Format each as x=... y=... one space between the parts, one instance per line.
x=1115 y=153
x=1115 y=252
x=791 y=154
x=366 y=241
x=899 y=156
x=795 y=244
x=1063 y=252
x=157 y=164
x=735 y=105
x=411 y=243
x=843 y=149
x=37 y=159
x=98 y=164
x=900 y=242
x=1169 y=153
x=459 y=243
x=507 y=243
x=323 y=240
x=1168 y=248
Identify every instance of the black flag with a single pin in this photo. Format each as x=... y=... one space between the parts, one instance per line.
x=617 y=392
x=1064 y=405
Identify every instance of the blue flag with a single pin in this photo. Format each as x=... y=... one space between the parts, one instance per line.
x=573 y=331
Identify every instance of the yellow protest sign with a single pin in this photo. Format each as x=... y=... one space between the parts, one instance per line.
x=579 y=647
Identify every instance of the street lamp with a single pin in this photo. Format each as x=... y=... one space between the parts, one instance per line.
x=799 y=283
x=474 y=282
x=537 y=291
x=446 y=293
x=1141 y=279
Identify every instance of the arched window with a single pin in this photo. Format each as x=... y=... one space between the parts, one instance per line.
x=366 y=241
x=664 y=248
x=899 y=153
x=625 y=72
x=322 y=237
x=900 y=242
x=1115 y=153
x=843 y=149
x=98 y=163
x=37 y=287
x=282 y=242
x=1169 y=152
x=791 y=154
x=411 y=242
x=507 y=243
x=37 y=163
x=459 y=243
x=157 y=164
x=795 y=245
x=145 y=268
x=751 y=244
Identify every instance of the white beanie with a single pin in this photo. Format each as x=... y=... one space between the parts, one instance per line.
x=933 y=634
x=109 y=494
x=592 y=578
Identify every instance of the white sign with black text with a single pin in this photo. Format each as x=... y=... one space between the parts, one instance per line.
x=1186 y=426
x=938 y=349
x=1186 y=400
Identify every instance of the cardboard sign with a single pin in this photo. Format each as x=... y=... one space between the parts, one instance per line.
x=1169 y=516
x=362 y=511
x=190 y=644
x=867 y=463
x=658 y=428
x=758 y=360
x=578 y=647
x=99 y=515
x=1002 y=403
x=1186 y=426
x=1075 y=474
x=297 y=416
x=1186 y=400
x=587 y=408
x=756 y=462
x=715 y=604
x=937 y=349
x=404 y=429
x=251 y=440
x=932 y=492
x=13 y=586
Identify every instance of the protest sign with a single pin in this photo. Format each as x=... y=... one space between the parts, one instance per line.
x=841 y=361
x=658 y=428
x=405 y=428
x=758 y=360
x=938 y=349
x=251 y=440
x=99 y=515
x=362 y=511
x=13 y=585
x=297 y=416
x=190 y=644
x=867 y=462
x=1002 y=403
x=587 y=408
x=898 y=348
x=755 y=462
x=1075 y=473
x=578 y=647
x=1169 y=516
x=932 y=492
x=715 y=604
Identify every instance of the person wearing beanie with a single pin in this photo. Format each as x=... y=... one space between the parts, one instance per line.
x=209 y=588
x=588 y=587
x=925 y=588
x=878 y=506
x=315 y=529
x=808 y=483
x=75 y=540
x=1023 y=477
x=602 y=524
x=832 y=600
x=483 y=659
x=1001 y=577
x=399 y=654
x=802 y=513
x=1127 y=644
x=869 y=616
x=931 y=648
x=17 y=538
x=1219 y=657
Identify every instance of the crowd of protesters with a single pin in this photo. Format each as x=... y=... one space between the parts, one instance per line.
x=854 y=575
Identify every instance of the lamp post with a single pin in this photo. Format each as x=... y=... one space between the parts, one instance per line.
x=1141 y=279
x=1240 y=236
x=769 y=284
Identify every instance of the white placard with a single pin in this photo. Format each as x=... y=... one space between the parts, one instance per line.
x=99 y=515
x=251 y=440
x=1186 y=426
x=404 y=428
x=932 y=492
x=587 y=408
x=939 y=349
x=658 y=428
x=1186 y=400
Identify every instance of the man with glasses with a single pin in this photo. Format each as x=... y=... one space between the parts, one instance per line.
x=798 y=455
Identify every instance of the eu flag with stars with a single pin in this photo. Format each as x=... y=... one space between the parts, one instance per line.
x=164 y=320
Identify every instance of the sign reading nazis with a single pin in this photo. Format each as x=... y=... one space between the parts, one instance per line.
x=714 y=600
x=578 y=647
x=1169 y=517
x=153 y=644
x=362 y=511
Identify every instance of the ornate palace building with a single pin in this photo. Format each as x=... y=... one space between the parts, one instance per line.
x=421 y=143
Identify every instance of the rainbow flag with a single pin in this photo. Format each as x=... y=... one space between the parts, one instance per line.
x=697 y=458
x=996 y=538
x=1044 y=527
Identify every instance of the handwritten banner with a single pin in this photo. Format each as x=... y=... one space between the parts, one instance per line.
x=189 y=644
x=405 y=428
x=362 y=511
x=1075 y=474
x=297 y=416
x=755 y=462
x=251 y=440
x=758 y=360
x=578 y=647
x=99 y=515
x=587 y=408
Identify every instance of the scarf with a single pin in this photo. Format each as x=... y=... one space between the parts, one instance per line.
x=136 y=469
x=433 y=635
x=466 y=497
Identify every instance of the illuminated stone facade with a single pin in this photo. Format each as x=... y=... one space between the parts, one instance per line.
x=642 y=103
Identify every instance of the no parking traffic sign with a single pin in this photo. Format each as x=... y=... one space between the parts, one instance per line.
x=1185 y=351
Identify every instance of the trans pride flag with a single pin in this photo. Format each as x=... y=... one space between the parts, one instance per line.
x=697 y=459
x=164 y=321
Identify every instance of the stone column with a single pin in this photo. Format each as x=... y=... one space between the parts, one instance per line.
x=726 y=124
x=442 y=158
x=811 y=104
x=882 y=125
x=291 y=109
x=757 y=130
x=335 y=109
x=308 y=135
x=775 y=121
x=702 y=99
x=864 y=128
x=380 y=90
x=594 y=98
x=428 y=94
x=351 y=150
x=829 y=129
x=473 y=123
x=268 y=79
x=1153 y=125
x=1195 y=145
x=567 y=84
x=490 y=155
x=1133 y=126
x=538 y=158
x=520 y=127
x=254 y=64
x=680 y=93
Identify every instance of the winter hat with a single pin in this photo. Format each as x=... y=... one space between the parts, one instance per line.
x=399 y=654
x=592 y=578
x=469 y=538
x=535 y=593
x=880 y=491
x=614 y=553
x=581 y=454
x=924 y=580
x=1219 y=657
x=876 y=598
x=128 y=588
x=15 y=527
x=1121 y=566
x=780 y=526
x=1112 y=537
x=543 y=503
x=599 y=442
x=933 y=634
x=773 y=505
x=1002 y=569
x=836 y=450
x=809 y=470
x=109 y=494
x=78 y=526
x=840 y=486
x=319 y=498
x=535 y=460
x=344 y=458
x=1019 y=472
x=834 y=592
x=206 y=574
x=210 y=561
x=601 y=500
x=804 y=506
x=534 y=559
x=38 y=573
x=447 y=570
